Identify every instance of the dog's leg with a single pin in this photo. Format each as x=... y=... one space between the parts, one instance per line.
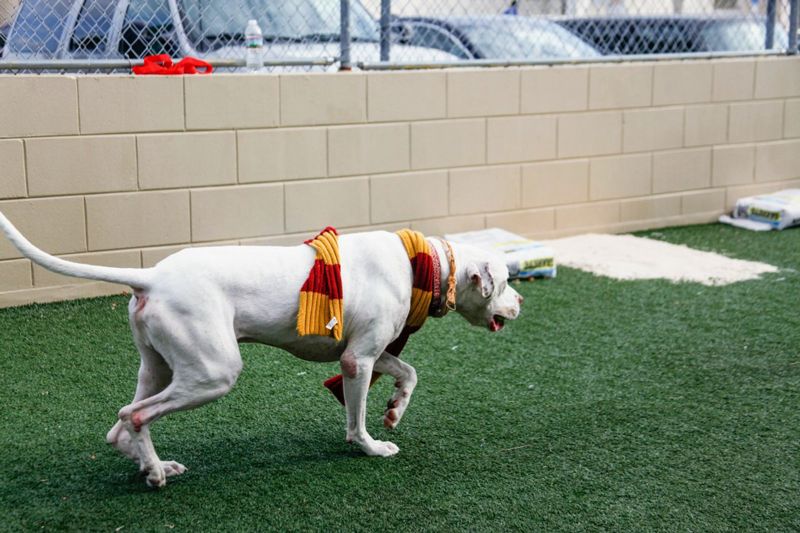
x=356 y=371
x=405 y=382
x=154 y=376
x=202 y=372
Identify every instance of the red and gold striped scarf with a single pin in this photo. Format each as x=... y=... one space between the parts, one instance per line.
x=422 y=290
x=321 y=311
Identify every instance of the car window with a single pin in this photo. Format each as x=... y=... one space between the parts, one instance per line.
x=94 y=23
x=212 y=24
x=742 y=36
x=513 y=38
x=429 y=36
x=39 y=27
x=148 y=30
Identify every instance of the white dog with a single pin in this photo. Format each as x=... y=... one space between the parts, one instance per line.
x=189 y=312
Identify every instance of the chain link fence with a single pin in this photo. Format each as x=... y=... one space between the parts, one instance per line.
x=109 y=35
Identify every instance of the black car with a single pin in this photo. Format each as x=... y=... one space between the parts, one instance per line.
x=673 y=34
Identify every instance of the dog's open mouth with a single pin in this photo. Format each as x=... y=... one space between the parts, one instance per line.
x=497 y=323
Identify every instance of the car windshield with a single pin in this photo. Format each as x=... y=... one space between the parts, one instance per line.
x=215 y=23
x=742 y=35
x=520 y=38
x=39 y=28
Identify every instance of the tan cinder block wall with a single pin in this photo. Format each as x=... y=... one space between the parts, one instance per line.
x=124 y=171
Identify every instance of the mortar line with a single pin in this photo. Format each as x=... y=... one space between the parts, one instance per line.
x=25 y=167
x=136 y=153
x=236 y=150
x=78 y=102
x=191 y=225
x=283 y=193
x=85 y=224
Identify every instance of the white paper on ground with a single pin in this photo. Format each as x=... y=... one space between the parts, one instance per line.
x=627 y=257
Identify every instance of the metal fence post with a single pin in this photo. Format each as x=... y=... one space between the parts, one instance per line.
x=793 y=14
x=770 y=22
x=344 y=36
x=386 y=30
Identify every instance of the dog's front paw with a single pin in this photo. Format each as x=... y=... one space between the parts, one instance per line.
x=156 y=476
x=380 y=448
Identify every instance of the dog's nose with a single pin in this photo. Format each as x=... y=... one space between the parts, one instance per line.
x=520 y=299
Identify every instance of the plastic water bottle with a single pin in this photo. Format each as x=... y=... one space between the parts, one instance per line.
x=254 y=44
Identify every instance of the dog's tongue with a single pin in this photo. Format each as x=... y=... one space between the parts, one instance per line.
x=495 y=325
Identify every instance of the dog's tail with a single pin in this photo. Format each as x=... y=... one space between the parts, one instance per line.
x=135 y=278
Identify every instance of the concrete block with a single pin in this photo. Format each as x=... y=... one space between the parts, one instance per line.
x=482 y=92
x=406 y=95
x=652 y=129
x=586 y=134
x=485 y=189
x=733 y=80
x=237 y=212
x=312 y=205
x=517 y=139
x=231 y=101
x=778 y=77
x=81 y=165
x=131 y=220
x=778 y=161
x=620 y=86
x=126 y=104
x=448 y=143
x=56 y=225
x=554 y=89
x=171 y=160
x=756 y=121
x=620 y=177
x=733 y=165
x=684 y=82
x=38 y=105
x=370 y=149
x=681 y=170
x=282 y=154
x=12 y=169
x=554 y=183
x=408 y=196
x=324 y=98
x=706 y=125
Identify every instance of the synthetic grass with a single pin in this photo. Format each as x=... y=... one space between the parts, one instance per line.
x=608 y=405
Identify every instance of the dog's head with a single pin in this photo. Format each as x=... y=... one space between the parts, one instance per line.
x=484 y=297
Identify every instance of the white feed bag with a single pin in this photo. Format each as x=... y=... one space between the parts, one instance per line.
x=524 y=258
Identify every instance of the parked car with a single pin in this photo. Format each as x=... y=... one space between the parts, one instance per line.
x=671 y=34
x=491 y=37
x=114 y=29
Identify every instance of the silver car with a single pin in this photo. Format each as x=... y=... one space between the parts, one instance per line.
x=132 y=29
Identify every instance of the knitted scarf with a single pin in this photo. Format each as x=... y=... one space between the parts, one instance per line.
x=424 y=268
x=321 y=311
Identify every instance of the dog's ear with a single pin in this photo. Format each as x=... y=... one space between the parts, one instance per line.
x=481 y=277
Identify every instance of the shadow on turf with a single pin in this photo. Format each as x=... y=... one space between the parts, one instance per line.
x=209 y=460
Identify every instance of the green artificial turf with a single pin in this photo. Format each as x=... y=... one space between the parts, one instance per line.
x=610 y=405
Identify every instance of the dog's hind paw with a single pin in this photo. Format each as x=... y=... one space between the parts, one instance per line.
x=391 y=418
x=172 y=468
